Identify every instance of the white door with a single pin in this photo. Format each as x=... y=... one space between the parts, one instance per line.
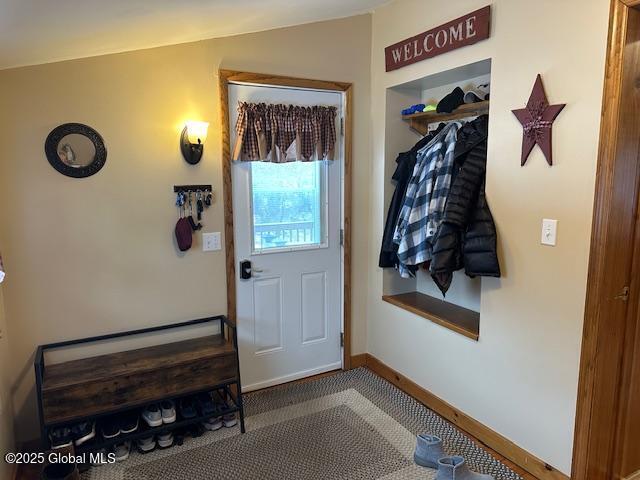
x=287 y=222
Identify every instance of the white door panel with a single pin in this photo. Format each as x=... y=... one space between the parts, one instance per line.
x=314 y=312
x=267 y=312
x=287 y=220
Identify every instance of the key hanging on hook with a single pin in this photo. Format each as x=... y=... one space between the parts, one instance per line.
x=199 y=205
x=180 y=203
x=193 y=224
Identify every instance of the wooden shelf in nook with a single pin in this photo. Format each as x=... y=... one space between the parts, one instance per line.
x=454 y=317
x=420 y=121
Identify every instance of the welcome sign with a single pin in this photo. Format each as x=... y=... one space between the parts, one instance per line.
x=461 y=32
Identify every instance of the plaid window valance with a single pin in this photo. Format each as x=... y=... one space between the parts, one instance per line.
x=284 y=133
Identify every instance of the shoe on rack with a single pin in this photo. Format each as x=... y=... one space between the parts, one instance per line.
x=455 y=468
x=152 y=415
x=187 y=408
x=213 y=424
x=230 y=420
x=61 y=437
x=129 y=422
x=83 y=432
x=122 y=451
x=165 y=440
x=110 y=427
x=168 y=411
x=195 y=430
x=205 y=404
x=428 y=451
x=146 y=444
x=219 y=403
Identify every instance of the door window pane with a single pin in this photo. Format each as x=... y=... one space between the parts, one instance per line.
x=288 y=204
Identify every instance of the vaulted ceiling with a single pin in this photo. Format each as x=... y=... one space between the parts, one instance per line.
x=41 y=31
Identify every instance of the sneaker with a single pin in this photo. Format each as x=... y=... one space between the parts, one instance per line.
x=122 y=451
x=187 y=408
x=152 y=415
x=213 y=424
x=110 y=427
x=168 y=411
x=82 y=432
x=165 y=440
x=229 y=420
x=129 y=422
x=195 y=430
x=146 y=444
x=205 y=404
x=220 y=402
x=61 y=437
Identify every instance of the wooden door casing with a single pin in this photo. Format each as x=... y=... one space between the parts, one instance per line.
x=607 y=314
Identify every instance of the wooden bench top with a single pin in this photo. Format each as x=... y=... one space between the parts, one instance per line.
x=106 y=367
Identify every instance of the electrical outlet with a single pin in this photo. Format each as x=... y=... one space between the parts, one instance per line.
x=211 y=242
x=549 y=232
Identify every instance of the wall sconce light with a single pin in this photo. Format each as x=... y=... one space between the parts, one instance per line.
x=192 y=141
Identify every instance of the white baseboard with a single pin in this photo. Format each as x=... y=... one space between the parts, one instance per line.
x=291 y=377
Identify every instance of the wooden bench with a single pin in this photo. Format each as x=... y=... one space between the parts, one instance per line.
x=90 y=388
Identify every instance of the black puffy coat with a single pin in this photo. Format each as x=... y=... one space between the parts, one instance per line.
x=467 y=236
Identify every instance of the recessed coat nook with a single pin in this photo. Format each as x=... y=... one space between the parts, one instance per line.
x=419 y=293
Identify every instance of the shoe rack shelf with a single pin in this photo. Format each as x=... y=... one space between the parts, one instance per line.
x=92 y=388
x=420 y=121
x=146 y=431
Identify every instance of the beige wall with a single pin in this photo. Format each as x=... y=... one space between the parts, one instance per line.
x=521 y=377
x=97 y=255
x=6 y=412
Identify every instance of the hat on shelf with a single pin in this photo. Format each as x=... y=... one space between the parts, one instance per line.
x=477 y=94
x=419 y=107
x=451 y=101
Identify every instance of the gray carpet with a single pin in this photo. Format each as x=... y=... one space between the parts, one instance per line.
x=352 y=425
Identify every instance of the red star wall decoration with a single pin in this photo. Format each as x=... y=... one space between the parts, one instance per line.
x=537 y=119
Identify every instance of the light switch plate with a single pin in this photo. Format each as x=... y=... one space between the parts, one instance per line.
x=549 y=232
x=211 y=242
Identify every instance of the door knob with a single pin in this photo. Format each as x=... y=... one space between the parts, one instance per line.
x=247 y=270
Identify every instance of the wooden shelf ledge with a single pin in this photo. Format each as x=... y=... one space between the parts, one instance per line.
x=420 y=121
x=454 y=317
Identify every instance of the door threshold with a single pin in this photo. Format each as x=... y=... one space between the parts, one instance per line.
x=292 y=377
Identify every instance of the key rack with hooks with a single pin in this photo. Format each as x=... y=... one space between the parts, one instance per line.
x=192 y=188
x=190 y=199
